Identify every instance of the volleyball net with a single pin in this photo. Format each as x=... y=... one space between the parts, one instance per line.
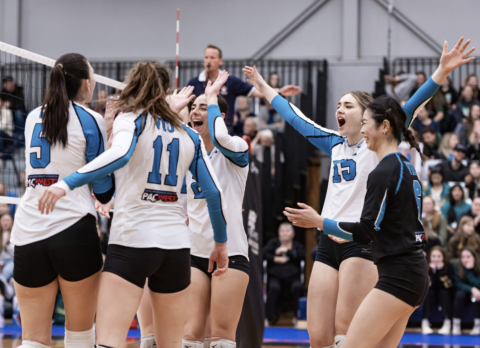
x=25 y=77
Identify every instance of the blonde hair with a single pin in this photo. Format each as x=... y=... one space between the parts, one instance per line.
x=444 y=147
x=466 y=240
x=363 y=98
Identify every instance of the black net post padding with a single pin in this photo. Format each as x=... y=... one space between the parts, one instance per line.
x=251 y=325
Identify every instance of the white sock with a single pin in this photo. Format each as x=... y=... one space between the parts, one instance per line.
x=476 y=323
x=191 y=344
x=457 y=321
x=147 y=341
x=222 y=344
x=32 y=344
x=206 y=344
x=80 y=339
x=339 y=340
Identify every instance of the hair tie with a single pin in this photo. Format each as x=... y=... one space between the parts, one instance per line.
x=60 y=65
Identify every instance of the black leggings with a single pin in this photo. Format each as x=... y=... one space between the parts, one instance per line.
x=275 y=288
x=462 y=298
x=440 y=298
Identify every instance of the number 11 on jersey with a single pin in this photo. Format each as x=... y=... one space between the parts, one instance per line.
x=155 y=177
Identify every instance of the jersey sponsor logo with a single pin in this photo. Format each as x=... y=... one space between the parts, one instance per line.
x=42 y=180
x=155 y=196
x=420 y=237
x=346 y=168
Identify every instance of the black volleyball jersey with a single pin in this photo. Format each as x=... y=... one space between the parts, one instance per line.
x=391 y=215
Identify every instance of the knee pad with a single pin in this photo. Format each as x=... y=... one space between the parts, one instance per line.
x=206 y=344
x=80 y=339
x=32 y=344
x=191 y=344
x=147 y=341
x=223 y=344
x=339 y=341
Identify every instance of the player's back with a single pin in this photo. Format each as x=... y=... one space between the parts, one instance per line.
x=147 y=210
x=46 y=164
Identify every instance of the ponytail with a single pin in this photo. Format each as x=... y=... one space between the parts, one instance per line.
x=412 y=140
x=65 y=81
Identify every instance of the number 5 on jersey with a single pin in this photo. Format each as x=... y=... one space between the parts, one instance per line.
x=346 y=167
x=154 y=177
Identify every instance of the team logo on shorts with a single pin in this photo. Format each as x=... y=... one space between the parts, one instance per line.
x=42 y=180
x=420 y=237
x=155 y=196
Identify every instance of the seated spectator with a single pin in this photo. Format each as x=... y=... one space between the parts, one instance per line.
x=438 y=111
x=449 y=93
x=265 y=140
x=475 y=214
x=6 y=248
x=473 y=147
x=431 y=139
x=467 y=283
x=454 y=170
x=283 y=255
x=241 y=113
x=14 y=97
x=274 y=80
x=447 y=144
x=400 y=86
x=269 y=118
x=464 y=104
x=472 y=81
x=453 y=209
x=465 y=235
x=440 y=290
x=434 y=224
x=421 y=79
x=250 y=127
x=6 y=129
x=472 y=180
x=464 y=130
x=437 y=188
x=423 y=120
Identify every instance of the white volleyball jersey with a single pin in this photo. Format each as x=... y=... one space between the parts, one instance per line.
x=47 y=164
x=150 y=161
x=350 y=165
x=229 y=160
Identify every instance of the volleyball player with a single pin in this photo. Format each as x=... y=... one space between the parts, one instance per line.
x=344 y=274
x=392 y=221
x=62 y=249
x=151 y=152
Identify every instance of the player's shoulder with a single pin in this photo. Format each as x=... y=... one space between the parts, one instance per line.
x=192 y=134
x=390 y=165
x=34 y=114
x=85 y=111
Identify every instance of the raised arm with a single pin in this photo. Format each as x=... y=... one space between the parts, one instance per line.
x=235 y=148
x=322 y=138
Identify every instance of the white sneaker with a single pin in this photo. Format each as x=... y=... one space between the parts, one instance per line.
x=475 y=331
x=426 y=329
x=446 y=328
x=456 y=330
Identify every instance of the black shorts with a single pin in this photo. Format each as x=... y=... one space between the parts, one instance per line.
x=405 y=277
x=239 y=262
x=332 y=254
x=73 y=254
x=168 y=271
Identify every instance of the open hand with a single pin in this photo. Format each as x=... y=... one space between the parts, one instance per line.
x=306 y=217
x=337 y=239
x=104 y=209
x=254 y=77
x=213 y=89
x=290 y=90
x=178 y=100
x=49 y=198
x=218 y=255
x=457 y=56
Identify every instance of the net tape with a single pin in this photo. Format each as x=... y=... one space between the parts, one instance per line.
x=51 y=63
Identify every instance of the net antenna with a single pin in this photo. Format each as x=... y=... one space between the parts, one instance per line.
x=177 y=48
x=19 y=52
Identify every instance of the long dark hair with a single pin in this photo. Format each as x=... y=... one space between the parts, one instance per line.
x=386 y=108
x=476 y=264
x=452 y=216
x=65 y=82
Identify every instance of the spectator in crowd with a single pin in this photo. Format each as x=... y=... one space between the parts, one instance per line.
x=13 y=96
x=464 y=104
x=11 y=209
x=473 y=147
x=283 y=256
x=465 y=235
x=440 y=290
x=269 y=118
x=438 y=111
x=260 y=143
x=250 y=127
x=423 y=120
x=241 y=113
x=234 y=87
x=437 y=188
x=447 y=144
x=274 y=80
x=400 y=86
x=472 y=180
x=449 y=93
x=453 y=209
x=100 y=104
x=421 y=79
x=475 y=214
x=434 y=224
x=467 y=283
x=431 y=139
x=472 y=81
x=6 y=251
x=464 y=130
x=6 y=128
x=454 y=170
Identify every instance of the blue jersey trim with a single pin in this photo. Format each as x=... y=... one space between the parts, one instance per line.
x=401 y=174
x=425 y=92
x=381 y=213
x=211 y=192
x=392 y=153
x=331 y=227
x=238 y=158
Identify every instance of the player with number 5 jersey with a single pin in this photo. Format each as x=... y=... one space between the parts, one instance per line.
x=151 y=153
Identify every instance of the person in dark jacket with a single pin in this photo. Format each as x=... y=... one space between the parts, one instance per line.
x=284 y=256
x=14 y=98
x=467 y=283
x=440 y=290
